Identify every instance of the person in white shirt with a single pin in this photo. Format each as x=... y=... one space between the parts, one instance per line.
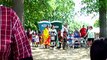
x=91 y=35
x=35 y=39
x=53 y=34
x=64 y=28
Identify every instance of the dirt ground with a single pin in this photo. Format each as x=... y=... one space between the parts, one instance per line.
x=68 y=54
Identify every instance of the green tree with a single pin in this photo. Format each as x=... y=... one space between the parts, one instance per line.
x=64 y=10
x=36 y=10
x=96 y=24
x=7 y=3
x=76 y=25
x=99 y=6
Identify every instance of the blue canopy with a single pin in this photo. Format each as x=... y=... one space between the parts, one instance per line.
x=43 y=24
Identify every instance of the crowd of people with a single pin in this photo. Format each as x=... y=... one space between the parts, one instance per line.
x=51 y=38
x=14 y=44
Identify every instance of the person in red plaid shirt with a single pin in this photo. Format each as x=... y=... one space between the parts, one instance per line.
x=14 y=44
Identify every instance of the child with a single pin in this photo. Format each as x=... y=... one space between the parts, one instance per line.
x=33 y=40
x=37 y=39
x=69 y=40
x=76 y=34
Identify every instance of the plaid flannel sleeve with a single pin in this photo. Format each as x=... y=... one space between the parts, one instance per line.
x=21 y=47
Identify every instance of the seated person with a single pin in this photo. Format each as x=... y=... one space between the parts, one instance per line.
x=76 y=34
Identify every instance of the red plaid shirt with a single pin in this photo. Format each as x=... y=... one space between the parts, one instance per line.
x=13 y=41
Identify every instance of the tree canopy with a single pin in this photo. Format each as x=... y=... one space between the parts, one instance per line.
x=96 y=24
x=37 y=10
x=99 y=6
x=7 y=3
x=90 y=6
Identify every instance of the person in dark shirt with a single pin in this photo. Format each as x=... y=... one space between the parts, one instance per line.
x=98 y=50
x=59 y=38
x=64 y=39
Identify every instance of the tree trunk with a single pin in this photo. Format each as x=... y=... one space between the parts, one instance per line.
x=102 y=19
x=18 y=7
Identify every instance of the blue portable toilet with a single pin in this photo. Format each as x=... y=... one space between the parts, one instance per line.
x=43 y=24
x=57 y=24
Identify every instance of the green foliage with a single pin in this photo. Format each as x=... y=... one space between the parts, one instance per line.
x=75 y=25
x=96 y=24
x=37 y=10
x=30 y=25
x=91 y=6
x=64 y=10
x=7 y=3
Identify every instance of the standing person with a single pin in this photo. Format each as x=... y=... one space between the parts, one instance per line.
x=76 y=34
x=85 y=37
x=64 y=28
x=14 y=44
x=90 y=34
x=41 y=40
x=37 y=39
x=69 y=40
x=83 y=31
x=53 y=33
x=29 y=35
x=59 y=39
x=64 y=39
x=40 y=37
x=33 y=39
x=46 y=37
